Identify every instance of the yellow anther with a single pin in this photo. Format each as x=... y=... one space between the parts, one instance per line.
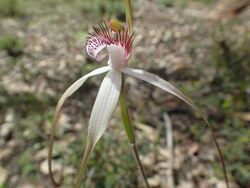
x=115 y=25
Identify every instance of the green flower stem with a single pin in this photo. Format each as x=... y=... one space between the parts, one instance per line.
x=130 y=131
x=129 y=15
x=125 y=115
x=137 y=158
x=122 y=102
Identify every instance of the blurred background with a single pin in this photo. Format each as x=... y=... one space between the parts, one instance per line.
x=201 y=46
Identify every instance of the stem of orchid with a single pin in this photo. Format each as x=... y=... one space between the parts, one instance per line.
x=138 y=161
x=129 y=15
x=84 y=162
x=122 y=99
x=125 y=115
x=122 y=102
x=130 y=131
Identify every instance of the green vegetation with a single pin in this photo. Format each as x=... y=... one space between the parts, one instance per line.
x=224 y=79
x=225 y=98
x=93 y=9
x=114 y=164
x=12 y=45
x=12 y=8
x=230 y=59
x=227 y=94
x=109 y=8
x=26 y=164
x=182 y=3
x=231 y=82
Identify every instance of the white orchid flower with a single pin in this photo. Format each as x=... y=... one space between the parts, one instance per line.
x=103 y=44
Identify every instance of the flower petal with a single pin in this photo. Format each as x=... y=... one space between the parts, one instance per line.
x=104 y=106
x=166 y=86
x=60 y=103
x=95 y=48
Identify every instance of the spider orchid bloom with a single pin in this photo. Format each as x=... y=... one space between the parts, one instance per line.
x=115 y=46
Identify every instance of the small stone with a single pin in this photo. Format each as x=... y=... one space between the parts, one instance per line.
x=167 y=36
x=5 y=153
x=13 y=180
x=56 y=167
x=79 y=57
x=149 y=159
x=154 y=181
x=6 y=129
x=3 y=175
x=42 y=154
x=163 y=154
x=151 y=133
x=185 y=184
x=193 y=149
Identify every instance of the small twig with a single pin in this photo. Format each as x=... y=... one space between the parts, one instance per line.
x=169 y=142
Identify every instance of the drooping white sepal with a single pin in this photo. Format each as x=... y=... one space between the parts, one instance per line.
x=159 y=82
x=104 y=105
x=76 y=85
x=168 y=87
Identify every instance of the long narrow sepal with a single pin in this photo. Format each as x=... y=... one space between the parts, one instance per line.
x=75 y=86
x=103 y=108
x=104 y=105
x=168 y=87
